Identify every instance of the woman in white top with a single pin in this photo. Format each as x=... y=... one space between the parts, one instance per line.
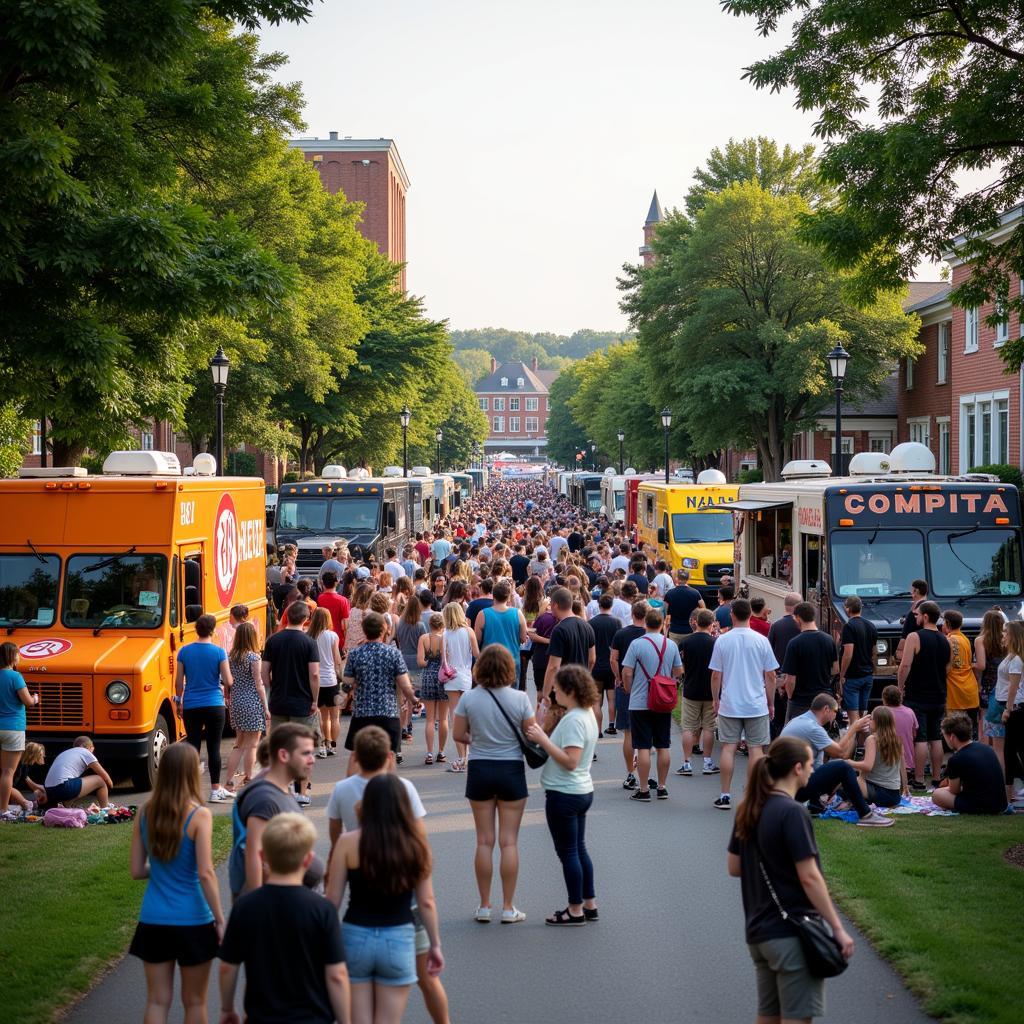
x=328 y=699
x=354 y=634
x=460 y=648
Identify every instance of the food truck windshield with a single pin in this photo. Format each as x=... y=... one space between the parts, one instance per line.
x=964 y=541
x=702 y=527
x=111 y=590
x=342 y=514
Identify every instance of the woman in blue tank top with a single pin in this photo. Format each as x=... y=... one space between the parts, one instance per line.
x=181 y=919
x=502 y=624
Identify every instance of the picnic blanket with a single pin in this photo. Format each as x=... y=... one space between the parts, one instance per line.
x=911 y=805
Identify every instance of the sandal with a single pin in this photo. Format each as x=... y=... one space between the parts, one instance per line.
x=564 y=917
x=441 y=758
x=429 y=759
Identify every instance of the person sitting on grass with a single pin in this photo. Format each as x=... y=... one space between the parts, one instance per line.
x=973 y=772
x=76 y=773
x=883 y=772
x=35 y=754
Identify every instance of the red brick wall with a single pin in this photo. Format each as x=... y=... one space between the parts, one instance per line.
x=541 y=414
x=926 y=397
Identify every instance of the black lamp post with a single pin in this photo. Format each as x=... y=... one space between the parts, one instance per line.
x=837 y=360
x=439 y=437
x=219 y=366
x=666 y=423
x=405 y=416
x=622 y=437
x=593 y=456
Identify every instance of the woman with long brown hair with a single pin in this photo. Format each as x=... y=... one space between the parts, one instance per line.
x=534 y=603
x=883 y=772
x=383 y=864
x=181 y=919
x=250 y=711
x=328 y=698
x=354 y=635
x=1009 y=701
x=989 y=651
x=773 y=838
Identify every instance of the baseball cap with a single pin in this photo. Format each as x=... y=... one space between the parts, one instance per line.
x=362 y=573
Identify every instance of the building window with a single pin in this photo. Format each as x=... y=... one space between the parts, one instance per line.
x=483 y=404
x=971 y=330
x=531 y=424
x=1003 y=324
x=513 y=424
x=945 y=451
x=513 y=405
x=520 y=383
x=918 y=428
x=910 y=373
x=984 y=429
x=942 y=351
x=504 y=382
x=146 y=440
x=172 y=441
x=37 y=438
x=531 y=405
x=499 y=405
x=498 y=424
x=879 y=442
x=847 y=444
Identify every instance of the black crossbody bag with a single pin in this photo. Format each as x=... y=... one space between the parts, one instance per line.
x=824 y=957
x=536 y=756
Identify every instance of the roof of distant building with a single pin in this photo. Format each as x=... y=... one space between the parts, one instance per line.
x=886 y=405
x=547 y=377
x=654 y=215
x=507 y=376
x=925 y=294
x=350 y=145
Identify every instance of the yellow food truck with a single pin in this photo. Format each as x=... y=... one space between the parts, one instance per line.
x=101 y=581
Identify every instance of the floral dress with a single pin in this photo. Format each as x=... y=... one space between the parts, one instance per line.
x=246 y=706
x=431 y=687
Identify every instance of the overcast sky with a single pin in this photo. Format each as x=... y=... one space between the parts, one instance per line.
x=534 y=133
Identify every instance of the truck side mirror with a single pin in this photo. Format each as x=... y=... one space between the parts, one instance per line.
x=662 y=535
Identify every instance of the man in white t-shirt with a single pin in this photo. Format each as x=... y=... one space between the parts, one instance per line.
x=557 y=542
x=662 y=582
x=743 y=691
x=622 y=559
x=393 y=565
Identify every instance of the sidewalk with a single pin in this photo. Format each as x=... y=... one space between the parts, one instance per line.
x=669 y=947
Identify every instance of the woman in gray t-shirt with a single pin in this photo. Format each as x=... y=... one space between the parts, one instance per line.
x=491 y=719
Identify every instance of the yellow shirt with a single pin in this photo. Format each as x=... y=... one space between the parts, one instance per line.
x=961 y=683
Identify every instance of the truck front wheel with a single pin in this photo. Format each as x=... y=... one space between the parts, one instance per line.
x=144 y=770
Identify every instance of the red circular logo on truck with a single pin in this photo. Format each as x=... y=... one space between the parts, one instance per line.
x=225 y=550
x=48 y=647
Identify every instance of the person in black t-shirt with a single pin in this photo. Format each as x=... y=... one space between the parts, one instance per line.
x=291 y=672
x=638 y=575
x=681 y=601
x=605 y=626
x=772 y=831
x=781 y=631
x=857 y=658
x=288 y=938
x=974 y=773
x=620 y=645
x=572 y=641
x=478 y=604
x=812 y=658
x=519 y=565
x=918 y=595
x=698 y=713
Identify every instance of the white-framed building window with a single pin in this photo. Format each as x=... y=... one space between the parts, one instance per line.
x=910 y=373
x=984 y=429
x=498 y=424
x=146 y=440
x=971 y=330
x=847 y=443
x=532 y=405
x=513 y=404
x=499 y=405
x=520 y=382
x=880 y=441
x=918 y=427
x=942 y=352
x=504 y=382
x=37 y=437
x=945 y=448
x=513 y=424
x=1003 y=324
x=483 y=404
x=531 y=425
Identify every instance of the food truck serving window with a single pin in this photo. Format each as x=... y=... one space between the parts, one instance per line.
x=974 y=561
x=115 y=591
x=702 y=527
x=28 y=589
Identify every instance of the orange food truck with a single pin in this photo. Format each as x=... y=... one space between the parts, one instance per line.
x=101 y=581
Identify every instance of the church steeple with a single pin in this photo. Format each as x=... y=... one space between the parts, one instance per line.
x=654 y=217
x=654 y=213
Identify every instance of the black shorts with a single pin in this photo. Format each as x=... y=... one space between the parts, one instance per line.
x=392 y=726
x=651 y=729
x=929 y=722
x=605 y=678
x=496 y=780
x=328 y=696
x=184 y=944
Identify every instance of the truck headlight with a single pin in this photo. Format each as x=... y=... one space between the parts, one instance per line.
x=691 y=563
x=882 y=646
x=118 y=692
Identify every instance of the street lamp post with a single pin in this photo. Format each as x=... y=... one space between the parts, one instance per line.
x=219 y=366
x=837 y=360
x=622 y=437
x=666 y=422
x=405 y=416
x=439 y=437
x=593 y=456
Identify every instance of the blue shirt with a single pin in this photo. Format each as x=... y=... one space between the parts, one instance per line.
x=502 y=628
x=173 y=893
x=202 y=675
x=12 y=711
x=723 y=615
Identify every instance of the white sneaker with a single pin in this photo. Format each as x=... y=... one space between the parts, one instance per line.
x=321 y=753
x=513 y=916
x=483 y=915
x=302 y=800
x=220 y=796
x=876 y=820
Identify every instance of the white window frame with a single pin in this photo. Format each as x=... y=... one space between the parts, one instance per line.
x=910 y=373
x=532 y=405
x=919 y=429
x=880 y=441
x=498 y=405
x=513 y=424
x=1003 y=325
x=971 y=329
x=944 y=432
x=498 y=424
x=532 y=424
x=847 y=443
x=520 y=382
x=513 y=404
x=975 y=403
x=146 y=440
x=504 y=382
x=483 y=404
x=37 y=437
x=942 y=348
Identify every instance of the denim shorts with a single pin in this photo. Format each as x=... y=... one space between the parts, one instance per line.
x=69 y=789
x=621 y=709
x=385 y=956
x=857 y=692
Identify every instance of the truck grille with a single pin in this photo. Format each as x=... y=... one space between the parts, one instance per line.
x=713 y=572
x=60 y=704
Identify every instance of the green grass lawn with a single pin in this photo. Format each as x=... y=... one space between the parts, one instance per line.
x=69 y=908
x=937 y=899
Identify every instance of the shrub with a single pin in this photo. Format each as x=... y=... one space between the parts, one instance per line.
x=1007 y=474
x=751 y=476
x=241 y=464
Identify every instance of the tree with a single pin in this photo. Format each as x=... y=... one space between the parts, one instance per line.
x=910 y=97
x=103 y=264
x=475 y=363
x=565 y=436
x=746 y=311
x=15 y=432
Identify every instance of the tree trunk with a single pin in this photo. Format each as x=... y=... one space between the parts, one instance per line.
x=65 y=453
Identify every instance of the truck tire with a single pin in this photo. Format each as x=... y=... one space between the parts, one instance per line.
x=144 y=770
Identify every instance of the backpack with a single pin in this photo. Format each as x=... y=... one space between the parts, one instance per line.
x=662 y=692
x=65 y=817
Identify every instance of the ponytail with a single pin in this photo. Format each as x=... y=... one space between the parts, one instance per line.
x=779 y=760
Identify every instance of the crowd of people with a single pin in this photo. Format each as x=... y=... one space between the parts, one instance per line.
x=515 y=635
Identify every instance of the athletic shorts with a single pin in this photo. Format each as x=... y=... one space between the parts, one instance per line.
x=69 y=789
x=650 y=729
x=621 y=709
x=328 y=696
x=964 y=803
x=785 y=988
x=605 y=678
x=756 y=730
x=185 y=944
x=12 y=740
x=496 y=780
x=698 y=714
x=929 y=722
x=311 y=722
x=384 y=956
x=392 y=726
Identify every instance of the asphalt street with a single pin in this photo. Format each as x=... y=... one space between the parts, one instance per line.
x=668 y=948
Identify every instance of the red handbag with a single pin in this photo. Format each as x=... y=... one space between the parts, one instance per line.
x=662 y=692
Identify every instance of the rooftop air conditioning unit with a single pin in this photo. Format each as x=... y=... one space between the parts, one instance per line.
x=630 y=471
x=392 y=471
x=334 y=472
x=610 y=471
x=420 y=471
x=39 y=471
x=711 y=476
x=362 y=473
x=869 y=464
x=142 y=464
x=204 y=464
x=805 y=469
x=911 y=457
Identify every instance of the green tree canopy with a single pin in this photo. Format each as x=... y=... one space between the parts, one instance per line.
x=565 y=436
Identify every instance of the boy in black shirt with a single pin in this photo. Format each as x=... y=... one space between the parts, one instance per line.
x=698 y=712
x=288 y=938
x=974 y=773
x=812 y=658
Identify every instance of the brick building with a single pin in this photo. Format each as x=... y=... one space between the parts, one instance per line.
x=514 y=397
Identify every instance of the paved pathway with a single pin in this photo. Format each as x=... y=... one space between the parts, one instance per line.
x=669 y=946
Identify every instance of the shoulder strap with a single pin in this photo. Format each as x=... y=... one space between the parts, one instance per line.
x=661 y=655
x=764 y=874
x=508 y=718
